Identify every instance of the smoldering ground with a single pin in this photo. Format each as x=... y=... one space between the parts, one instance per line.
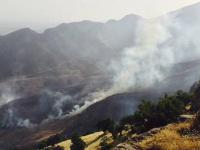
x=159 y=44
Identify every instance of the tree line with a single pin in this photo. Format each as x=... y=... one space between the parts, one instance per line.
x=149 y=114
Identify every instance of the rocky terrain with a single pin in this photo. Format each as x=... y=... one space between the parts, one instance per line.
x=70 y=77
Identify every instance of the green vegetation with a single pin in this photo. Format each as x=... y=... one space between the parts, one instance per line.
x=50 y=142
x=149 y=114
x=108 y=125
x=77 y=143
x=105 y=145
x=195 y=91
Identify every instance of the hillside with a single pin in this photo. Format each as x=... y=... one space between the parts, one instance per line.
x=170 y=123
x=164 y=138
x=72 y=76
x=92 y=140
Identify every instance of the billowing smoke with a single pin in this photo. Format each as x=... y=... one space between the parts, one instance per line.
x=145 y=63
x=60 y=101
x=7 y=93
x=139 y=66
x=10 y=119
x=159 y=44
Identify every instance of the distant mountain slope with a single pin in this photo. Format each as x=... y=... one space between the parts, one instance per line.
x=68 y=60
x=76 y=45
x=71 y=61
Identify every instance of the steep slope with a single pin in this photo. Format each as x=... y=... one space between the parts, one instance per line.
x=71 y=61
x=27 y=52
x=66 y=61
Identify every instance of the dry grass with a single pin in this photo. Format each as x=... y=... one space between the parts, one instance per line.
x=170 y=139
x=92 y=141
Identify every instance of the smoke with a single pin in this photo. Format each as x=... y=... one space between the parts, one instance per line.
x=185 y=40
x=89 y=100
x=60 y=101
x=159 y=44
x=8 y=93
x=140 y=66
x=145 y=63
x=10 y=119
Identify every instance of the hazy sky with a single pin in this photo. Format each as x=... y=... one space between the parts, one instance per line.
x=39 y=14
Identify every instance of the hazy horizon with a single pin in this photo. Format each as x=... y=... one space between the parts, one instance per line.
x=48 y=13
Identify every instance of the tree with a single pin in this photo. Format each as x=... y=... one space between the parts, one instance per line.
x=195 y=91
x=125 y=123
x=196 y=122
x=77 y=143
x=105 y=145
x=169 y=109
x=42 y=145
x=145 y=117
x=119 y=128
x=185 y=97
x=150 y=115
x=107 y=125
x=54 y=139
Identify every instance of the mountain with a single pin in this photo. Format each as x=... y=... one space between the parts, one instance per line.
x=55 y=73
x=69 y=61
x=26 y=52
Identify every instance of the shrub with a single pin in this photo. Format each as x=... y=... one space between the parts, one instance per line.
x=196 y=123
x=51 y=141
x=104 y=144
x=42 y=145
x=185 y=97
x=77 y=143
x=169 y=109
x=108 y=125
x=195 y=91
x=150 y=115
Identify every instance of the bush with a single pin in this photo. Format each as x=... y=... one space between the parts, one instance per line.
x=185 y=97
x=54 y=139
x=196 y=122
x=108 y=125
x=104 y=144
x=150 y=115
x=51 y=141
x=77 y=143
x=169 y=109
x=195 y=91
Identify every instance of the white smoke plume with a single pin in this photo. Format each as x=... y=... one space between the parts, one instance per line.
x=7 y=93
x=160 y=43
x=60 y=101
x=11 y=120
x=140 y=66
x=144 y=64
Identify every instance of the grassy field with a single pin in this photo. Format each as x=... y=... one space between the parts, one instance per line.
x=174 y=136
x=171 y=139
x=92 y=141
